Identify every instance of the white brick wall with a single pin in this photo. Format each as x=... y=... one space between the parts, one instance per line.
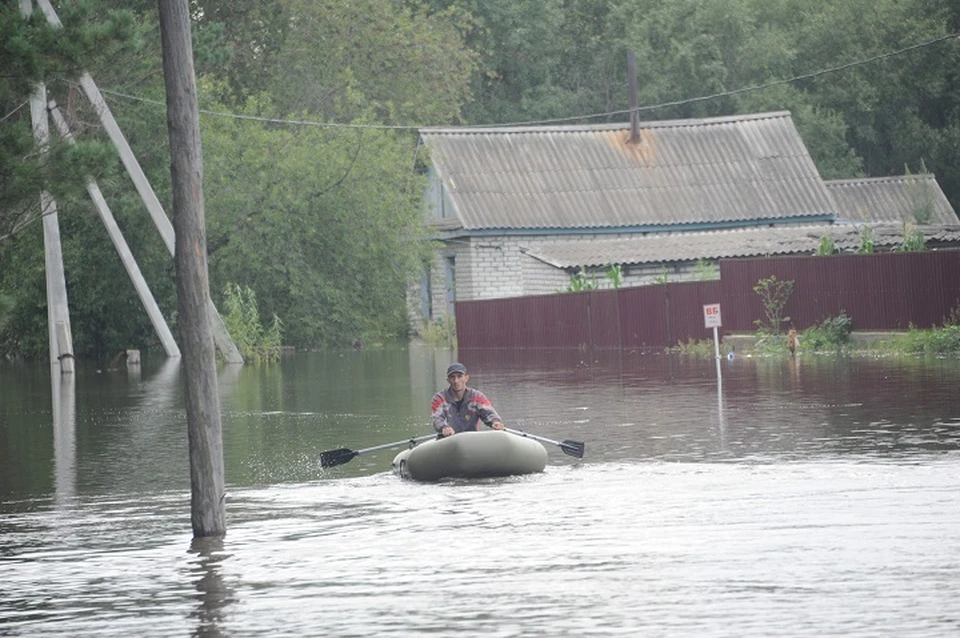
x=498 y=267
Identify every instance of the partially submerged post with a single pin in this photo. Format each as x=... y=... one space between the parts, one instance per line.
x=207 y=511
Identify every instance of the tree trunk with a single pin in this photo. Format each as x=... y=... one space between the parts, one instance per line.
x=207 y=512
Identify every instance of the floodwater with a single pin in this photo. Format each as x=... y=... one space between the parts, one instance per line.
x=807 y=497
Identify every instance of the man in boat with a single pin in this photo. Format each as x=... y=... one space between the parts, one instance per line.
x=459 y=408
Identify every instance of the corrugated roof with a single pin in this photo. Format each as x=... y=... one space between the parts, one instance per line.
x=892 y=199
x=704 y=171
x=745 y=242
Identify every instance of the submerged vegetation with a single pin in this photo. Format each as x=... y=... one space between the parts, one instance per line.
x=441 y=332
x=834 y=335
x=242 y=319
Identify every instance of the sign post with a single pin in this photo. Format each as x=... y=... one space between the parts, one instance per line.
x=711 y=319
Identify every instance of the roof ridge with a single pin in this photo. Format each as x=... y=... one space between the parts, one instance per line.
x=874 y=180
x=607 y=126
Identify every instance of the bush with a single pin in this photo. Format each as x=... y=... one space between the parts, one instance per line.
x=439 y=332
x=833 y=333
x=944 y=340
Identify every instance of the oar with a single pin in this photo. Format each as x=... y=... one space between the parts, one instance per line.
x=342 y=455
x=572 y=448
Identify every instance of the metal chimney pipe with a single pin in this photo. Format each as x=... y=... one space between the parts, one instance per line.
x=634 y=114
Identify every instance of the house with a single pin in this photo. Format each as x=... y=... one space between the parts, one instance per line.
x=517 y=211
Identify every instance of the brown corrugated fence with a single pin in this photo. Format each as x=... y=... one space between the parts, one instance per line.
x=884 y=291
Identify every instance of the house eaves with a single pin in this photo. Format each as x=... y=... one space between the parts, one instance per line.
x=744 y=242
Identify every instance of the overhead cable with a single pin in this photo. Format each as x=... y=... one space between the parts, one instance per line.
x=574 y=118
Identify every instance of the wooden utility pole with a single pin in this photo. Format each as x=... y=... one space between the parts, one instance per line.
x=207 y=511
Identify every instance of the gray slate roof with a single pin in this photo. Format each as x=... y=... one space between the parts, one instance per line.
x=892 y=200
x=745 y=242
x=704 y=173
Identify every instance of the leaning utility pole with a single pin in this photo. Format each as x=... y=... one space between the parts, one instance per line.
x=207 y=509
x=58 y=310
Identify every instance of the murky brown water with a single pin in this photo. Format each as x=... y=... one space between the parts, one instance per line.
x=816 y=497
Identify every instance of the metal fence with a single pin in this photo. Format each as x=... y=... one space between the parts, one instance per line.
x=885 y=291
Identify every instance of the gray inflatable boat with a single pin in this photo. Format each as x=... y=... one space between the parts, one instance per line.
x=485 y=454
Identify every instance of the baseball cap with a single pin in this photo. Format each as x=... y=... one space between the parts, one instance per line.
x=456 y=367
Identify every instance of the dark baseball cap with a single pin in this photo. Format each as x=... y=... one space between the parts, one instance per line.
x=456 y=367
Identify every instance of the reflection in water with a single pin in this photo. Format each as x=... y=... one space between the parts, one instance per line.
x=64 y=404
x=721 y=418
x=213 y=594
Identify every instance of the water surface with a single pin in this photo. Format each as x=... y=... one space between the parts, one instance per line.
x=815 y=496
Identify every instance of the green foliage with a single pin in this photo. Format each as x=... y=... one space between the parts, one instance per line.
x=6 y=309
x=663 y=276
x=394 y=61
x=328 y=245
x=580 y=283
x=614 y=274
x=827 y=246
x=441 y=332
x=34 y=51
x=707 y=271
x=774 y=293
x=913 y=240
x=242 y=319
x=936 y=341
x=699 y=348
x=866 y=240
x=920 y=193
x=833 y=333
x=953 y=317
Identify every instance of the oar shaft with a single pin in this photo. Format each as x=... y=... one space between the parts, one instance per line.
x=571 y=448
x=532 y=436
x=418 y=439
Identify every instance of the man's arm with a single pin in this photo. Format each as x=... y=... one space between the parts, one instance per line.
x=487 y=412
x=439 y=409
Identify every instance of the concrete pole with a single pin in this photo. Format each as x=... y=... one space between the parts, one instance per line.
x=58 y=311
x=199 y=360
x=228 y=349
x=120 y=244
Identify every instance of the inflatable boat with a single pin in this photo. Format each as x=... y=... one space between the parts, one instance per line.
x=483 y=454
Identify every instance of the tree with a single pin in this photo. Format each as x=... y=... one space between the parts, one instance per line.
x=774 y=293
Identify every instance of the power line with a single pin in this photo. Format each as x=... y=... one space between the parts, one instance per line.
x=10 y=114
x=747 y=89
x=574 y=118
x=269 y=120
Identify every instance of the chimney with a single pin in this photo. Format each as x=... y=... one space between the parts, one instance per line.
x=634 y=114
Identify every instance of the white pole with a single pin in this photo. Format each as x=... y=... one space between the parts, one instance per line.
x=228 y=349
x=120 y=244
x=716 y=343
